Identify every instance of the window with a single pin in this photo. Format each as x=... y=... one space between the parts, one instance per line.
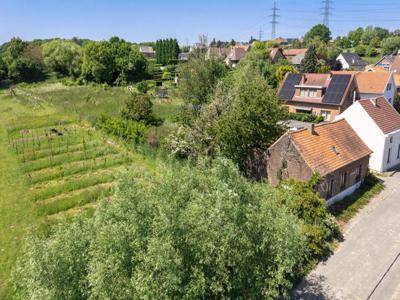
x=398 y=152
x=329 y=193
x=326 y=114
x=343 y=179
x=358 y=173
x=389 y=153
x=389 y=87
x=391 y=139
x=303 y=92
x=313 y=93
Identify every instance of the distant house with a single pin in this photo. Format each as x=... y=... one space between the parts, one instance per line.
x=148 y=52
x=276 y=54
x=378 y=125
x=390 y=63
x=333 y=150
x=295 y=56
x=326 y=95
x=217 y=52
x=236 y=54
x=281 y=41
x=183 y=56
x=351 y=61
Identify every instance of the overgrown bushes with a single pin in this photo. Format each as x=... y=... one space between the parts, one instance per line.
x=128 y=130
x=194 y=233
x=306 y=117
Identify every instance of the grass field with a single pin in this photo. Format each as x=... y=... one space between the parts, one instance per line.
x=53 y=164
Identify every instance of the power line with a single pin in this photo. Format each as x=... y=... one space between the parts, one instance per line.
x=260 y=34
x=274 y=21
x=327 y=11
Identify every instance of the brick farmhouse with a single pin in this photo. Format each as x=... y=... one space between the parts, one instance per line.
x=334 y=150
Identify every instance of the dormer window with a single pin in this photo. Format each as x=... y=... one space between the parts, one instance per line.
x=312 y=93
x=389 y=87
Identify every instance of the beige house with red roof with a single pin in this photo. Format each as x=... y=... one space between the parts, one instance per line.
x=333 y=150
x=237 y=53
x=378 y=125
x=373 y=84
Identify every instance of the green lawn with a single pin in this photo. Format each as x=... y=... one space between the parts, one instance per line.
x=45 y=177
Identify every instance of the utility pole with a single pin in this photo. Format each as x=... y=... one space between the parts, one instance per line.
x=326 y=11
x=274 y=21
x=260 y=34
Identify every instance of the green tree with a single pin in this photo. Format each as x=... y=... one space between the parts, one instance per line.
x=360 y=50
x=320 y=31
x=193 y=233
x=355 y=36
x=310 y=61
x=199 y=78
x=3 y=69
x=251 y=120
x=391 y=45
x=63 y=57
x=98 y=62
x=138 y=108
x=283 y=70
x=23 y=69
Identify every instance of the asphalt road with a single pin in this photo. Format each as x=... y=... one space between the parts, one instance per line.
x=366 y=265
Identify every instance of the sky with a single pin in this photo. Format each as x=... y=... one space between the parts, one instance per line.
x=140 y=21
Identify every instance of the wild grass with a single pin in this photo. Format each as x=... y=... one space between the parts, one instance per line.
x=84 y=196
x=346 y=209
x=70 y=186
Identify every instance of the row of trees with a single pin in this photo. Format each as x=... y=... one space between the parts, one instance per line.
x=166 y=51
x=114 y=62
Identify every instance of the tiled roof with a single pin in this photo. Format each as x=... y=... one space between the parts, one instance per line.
x=237 y=53
x=395 y=67
x=294 y=52
x=397 y=80
x=372 y=82
x=145 y=49
x=372 y=68
x=353 y=59
x=383 y=114
x=331 y=147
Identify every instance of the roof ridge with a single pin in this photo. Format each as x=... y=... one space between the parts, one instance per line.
x=317 y=126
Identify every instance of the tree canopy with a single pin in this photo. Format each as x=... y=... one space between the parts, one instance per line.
x=63 y=57
x=196 y=233
x=310 y=62
x=320 y=31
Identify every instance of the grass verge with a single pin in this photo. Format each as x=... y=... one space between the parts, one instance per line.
x=346 y=209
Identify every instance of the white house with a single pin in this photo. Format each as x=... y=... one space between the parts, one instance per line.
x=351 y=61
x=378 y=125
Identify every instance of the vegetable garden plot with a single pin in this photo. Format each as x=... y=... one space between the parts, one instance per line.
x=68 y=167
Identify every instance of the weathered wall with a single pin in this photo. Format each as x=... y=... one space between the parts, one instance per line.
x=284 y=162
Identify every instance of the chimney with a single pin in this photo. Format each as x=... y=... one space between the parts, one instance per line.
x=375 y=102
x=311 y=129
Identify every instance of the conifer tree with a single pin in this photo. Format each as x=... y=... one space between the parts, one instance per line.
x=310 y=61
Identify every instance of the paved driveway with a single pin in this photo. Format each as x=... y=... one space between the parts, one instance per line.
x=367 y=264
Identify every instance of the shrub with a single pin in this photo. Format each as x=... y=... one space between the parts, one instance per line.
x=138 y=108
x=360 y=50
x=126 y=129
x=142 y=87
x=306 y=117
x=372 y=52
x=320 y=227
